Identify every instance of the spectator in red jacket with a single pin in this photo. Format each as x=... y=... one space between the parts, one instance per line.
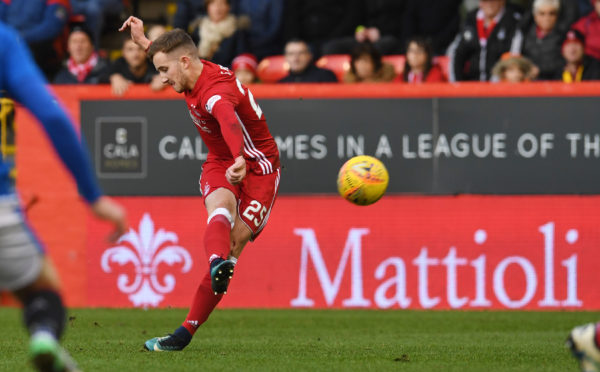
x=589 y=26
x=420 y=67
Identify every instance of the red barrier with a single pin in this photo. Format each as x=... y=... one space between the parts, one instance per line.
x=397 y=230
x=469 y=252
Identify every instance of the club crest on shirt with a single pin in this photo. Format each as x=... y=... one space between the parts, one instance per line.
x=198 y=121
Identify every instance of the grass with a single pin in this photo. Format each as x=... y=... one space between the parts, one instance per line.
x=311 y=340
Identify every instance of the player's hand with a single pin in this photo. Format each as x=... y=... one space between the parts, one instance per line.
x=106 y=209
x=236 y=173
x=137 y=31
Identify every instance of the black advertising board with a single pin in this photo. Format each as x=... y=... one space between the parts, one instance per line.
x=430 y=146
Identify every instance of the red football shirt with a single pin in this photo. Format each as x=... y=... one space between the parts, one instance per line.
x=230 y=121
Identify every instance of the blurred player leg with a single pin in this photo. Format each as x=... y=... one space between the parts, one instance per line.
x=33 y=280
x=584 y=342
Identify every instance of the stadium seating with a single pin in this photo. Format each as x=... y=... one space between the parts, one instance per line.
x=338 y=63
x=398 y=61
x=272 y=69
x=444 y=63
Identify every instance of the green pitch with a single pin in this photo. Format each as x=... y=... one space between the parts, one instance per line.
x=327 y=340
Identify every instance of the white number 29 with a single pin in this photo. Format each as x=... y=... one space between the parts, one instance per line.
x=251 y=212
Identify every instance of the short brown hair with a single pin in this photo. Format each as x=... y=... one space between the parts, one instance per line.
x=172 y=40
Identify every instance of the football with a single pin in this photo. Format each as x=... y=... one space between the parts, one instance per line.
x=362 y=180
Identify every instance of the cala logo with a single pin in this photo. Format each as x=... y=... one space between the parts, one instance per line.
x=146 y=249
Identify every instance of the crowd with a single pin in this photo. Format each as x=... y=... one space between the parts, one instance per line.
x=480 y=40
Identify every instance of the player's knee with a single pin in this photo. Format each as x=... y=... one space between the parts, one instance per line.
x=221 y=212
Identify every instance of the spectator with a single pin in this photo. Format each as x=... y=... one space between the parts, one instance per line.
x=366 y=66
x=155 y=31
x=514 y=68
x=222 y=35
x=382 y=28
x=266 y=21
x=541 y=41
x=440 y=26
x=302 y=68
x=569 y=13
x=486 y=35
x=133 y=68
x=244 y=67
x=95 y=11
x=319 y=22
x=40 y=23
x=187 y=12
x=578 y=67
x=83 y=66
x=589 y=26
x=420 y=67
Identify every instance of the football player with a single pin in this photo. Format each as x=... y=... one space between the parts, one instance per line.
x=240 y=177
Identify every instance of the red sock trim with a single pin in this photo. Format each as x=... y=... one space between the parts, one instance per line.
x=203 y=304
x=597 y=335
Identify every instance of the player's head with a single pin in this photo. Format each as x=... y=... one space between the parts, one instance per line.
x=174 y=54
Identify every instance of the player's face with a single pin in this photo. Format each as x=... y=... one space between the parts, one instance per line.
x=491 y=8
x=169 y=69
x=297 y=56
x=217 y=10
x=545 y=17
x=80 y=46
x=133 y=54
x=597 y=6
x=573 y=52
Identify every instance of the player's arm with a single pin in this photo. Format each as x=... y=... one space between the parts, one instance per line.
x=136 y=26
x=25 y=83
x=224 y=111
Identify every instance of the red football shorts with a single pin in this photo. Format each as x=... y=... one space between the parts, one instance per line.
x=255 y=195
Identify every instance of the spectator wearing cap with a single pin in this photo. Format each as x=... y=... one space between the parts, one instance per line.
x=513 y=68
x=41 y=23
x=244 y=68
x=485 y=36
x=302 y=68
x=541 y=40
x=84 y=65
x=589 y=26
x=578 y=67
x=133 y=67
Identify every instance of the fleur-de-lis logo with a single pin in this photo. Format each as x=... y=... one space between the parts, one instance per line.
x=146 y=250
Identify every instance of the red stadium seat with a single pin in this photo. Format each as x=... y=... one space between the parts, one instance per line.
x=338 y=63
x=443 y=62
x=398 y=61
x=272 y=69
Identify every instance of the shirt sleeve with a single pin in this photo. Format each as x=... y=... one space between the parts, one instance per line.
x=222 y=108
x=25 y=83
